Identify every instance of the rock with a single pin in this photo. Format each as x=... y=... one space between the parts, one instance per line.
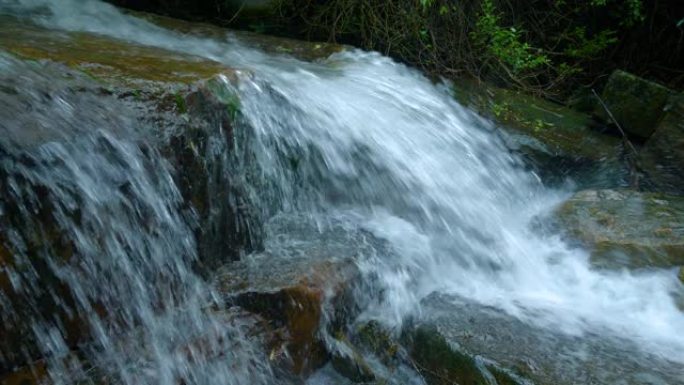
x=183 y=108
x=301 y=294
x=636 y=103
x=555 y=141
x=419 y=355
x=681 y=274
x=583 y=100
x=662 y=157
x=303 y=50
x=350 y=363
x=439 y=362
x=526 y=353
x=34 y=374
x=625 y=228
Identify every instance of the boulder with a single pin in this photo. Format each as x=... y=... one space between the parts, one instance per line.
x=625 y=228
x=553 y=140
x=516 y=351
x=303 y=294
x=439 y=362
x=637 y=104
x=420 y=354
x=179 y=105
x=662 y=157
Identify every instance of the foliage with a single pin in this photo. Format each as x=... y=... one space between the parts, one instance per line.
x=544 y=46
x=548 y=47
x=505 y=43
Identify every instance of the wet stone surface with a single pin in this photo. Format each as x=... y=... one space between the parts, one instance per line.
x=546 y=356
x=625 y=228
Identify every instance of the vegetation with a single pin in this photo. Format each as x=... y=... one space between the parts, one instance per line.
x=548 y=47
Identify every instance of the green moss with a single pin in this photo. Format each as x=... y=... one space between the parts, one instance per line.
x=373 y=337
x=636 y=103
x=563 y=131
x=181 y=106
x=440 y=364
x=298 y=48
x=352 y=366
x=105 y=59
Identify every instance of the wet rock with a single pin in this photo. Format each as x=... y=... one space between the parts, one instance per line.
x=303 y=50
x=636 y=103
x=205 y=147
x=625 y=228
x=30 y=375
x=350 y=363
x=555 y=141
x=296 y=295
x=662 y=157
x=527 y=353
x=420 y=354
x=178 y=104
x=104 y=59
x=440 y=363
x=183 y=101
x=373 y=337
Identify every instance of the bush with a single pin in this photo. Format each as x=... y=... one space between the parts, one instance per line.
x=544 y=46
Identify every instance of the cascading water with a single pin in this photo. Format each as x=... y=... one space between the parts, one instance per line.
x=372 y=143
x=123 y=264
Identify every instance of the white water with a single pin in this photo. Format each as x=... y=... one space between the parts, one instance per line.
x=77 y=158
x=380 y=145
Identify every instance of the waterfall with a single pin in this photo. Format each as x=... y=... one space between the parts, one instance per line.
x=357 y=138
x=74 y=165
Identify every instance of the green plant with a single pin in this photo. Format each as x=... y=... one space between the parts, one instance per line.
x=505 y=44
x=583 y=47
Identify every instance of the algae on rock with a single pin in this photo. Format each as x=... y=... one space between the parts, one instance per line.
x=662 y=157
x=625 y=228
x=636 y=103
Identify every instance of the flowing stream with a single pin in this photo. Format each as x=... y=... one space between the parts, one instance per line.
x=355 y=137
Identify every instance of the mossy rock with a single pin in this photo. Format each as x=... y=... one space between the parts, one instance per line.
x=111 y=61
x=303 y=50
x=662 y=157
x=373 y=337
x=625 y=228
x=553 y=140
x=561 y=131
x=441 y=363
x=636 y=103
x=348 y=361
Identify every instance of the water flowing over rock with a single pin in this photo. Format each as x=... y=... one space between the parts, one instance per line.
x=540 y=355
x=185 y=205
x=95 y=245
x=627 y=228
